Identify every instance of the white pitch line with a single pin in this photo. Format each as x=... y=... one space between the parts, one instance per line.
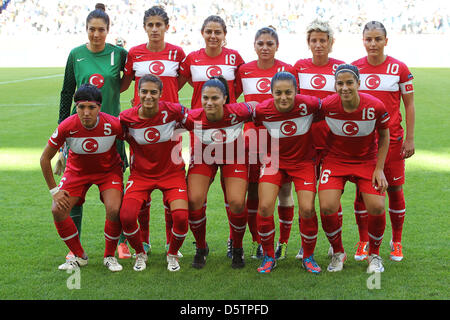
x=31 y=79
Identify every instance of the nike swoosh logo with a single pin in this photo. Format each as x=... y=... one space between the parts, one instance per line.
x=397 y=178
x=269 y=117
x=306 y=183
x=197 y=60
x=73 y=132
x=301 y=69
x=81 y=59
x=115 y=182
x=332 y=113
x=246 y=73
x=239 y=171
x=181 y=190
x=138 y=57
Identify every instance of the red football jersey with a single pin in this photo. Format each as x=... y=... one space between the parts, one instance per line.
x=154 y=144
x=90 y=150
x=165 y=64
x=199 y=67
x=387 y=81
x=317 y=81
x=219 y=142
x=353 y=136
x=290 y=129
x=255 y=82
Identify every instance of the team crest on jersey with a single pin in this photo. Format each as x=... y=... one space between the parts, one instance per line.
x=288 y=128
x=152 y=135
x=55 y=133
x=373 y=81
x=89 y=145
x=156 y=67
x=213 y=71
x=318 y=81
x=263 y=85
x=350 y=128
x=97 y=80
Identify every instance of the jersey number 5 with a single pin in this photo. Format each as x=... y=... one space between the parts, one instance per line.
x=107 y=129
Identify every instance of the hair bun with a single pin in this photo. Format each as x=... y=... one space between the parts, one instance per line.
x=100 y=6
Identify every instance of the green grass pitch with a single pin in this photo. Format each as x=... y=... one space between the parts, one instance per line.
x=31 y=250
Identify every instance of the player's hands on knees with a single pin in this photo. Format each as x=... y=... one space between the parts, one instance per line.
x=379 y=181
x=60 y=165
x=407 y=149
x=61 y=200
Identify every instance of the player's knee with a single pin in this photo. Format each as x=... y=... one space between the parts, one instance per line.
x=394 y=188
x=376 y=209
x=180 y=223
x=265 y=209
x=58 y=214
x=307 y=211
x=113 y=213
x=196 y=201
x=236 y=206
x=328 y=208
x=128 y=214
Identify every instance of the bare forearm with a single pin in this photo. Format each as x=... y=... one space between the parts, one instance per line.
x=383 y=147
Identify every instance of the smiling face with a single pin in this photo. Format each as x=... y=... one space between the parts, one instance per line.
x=213 y=101
x=347 y=86
x=149 y=95
x=155 y=28
x=374 y=42
x=319 y=44
x=88 y=111
x=283 y=93
x=265 y=47
x=97 y=30
x=214 y=35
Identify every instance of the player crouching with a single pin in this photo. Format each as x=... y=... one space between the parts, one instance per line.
x=93 y=159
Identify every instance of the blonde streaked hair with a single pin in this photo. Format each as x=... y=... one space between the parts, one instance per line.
x=320 y=26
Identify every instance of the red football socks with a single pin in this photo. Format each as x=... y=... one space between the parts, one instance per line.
x=397 y=210
x=266 y=231
x=113 y=229
x=69 y=234
x=308 y=233
x=285 y=215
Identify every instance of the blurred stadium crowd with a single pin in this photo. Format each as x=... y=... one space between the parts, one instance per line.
x=348 y=16
x=60 y=24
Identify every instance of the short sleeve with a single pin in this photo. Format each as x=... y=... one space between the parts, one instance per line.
x=185 y=67
x=383 y=118
x=58 y=137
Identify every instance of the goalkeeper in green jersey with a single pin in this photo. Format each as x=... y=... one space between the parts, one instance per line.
x=98 y=63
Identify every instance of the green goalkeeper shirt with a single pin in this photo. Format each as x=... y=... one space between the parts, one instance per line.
x=101 y=69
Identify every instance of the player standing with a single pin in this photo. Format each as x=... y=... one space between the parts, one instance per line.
x=355 y=154
x=213 y=60
x=98 y=63
x=218 y=143
x=316 y=78
x=156 y=163
x=288 y=118
x=93 y=159
x=163 y=59
x=389 y=80
x=254 y=78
